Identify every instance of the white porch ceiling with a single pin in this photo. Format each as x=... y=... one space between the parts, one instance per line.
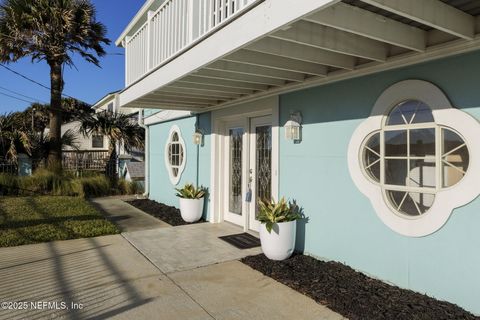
x=345 y=39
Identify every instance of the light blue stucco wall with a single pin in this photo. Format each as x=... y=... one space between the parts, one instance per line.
x=161 y=189
x=342 y=224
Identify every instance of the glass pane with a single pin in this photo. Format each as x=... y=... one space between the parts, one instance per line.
x=411 y=204
x=235 y=172
x=264 y=162
x=422 y=142
x=416 y=204
x=374 y=171
x=410 y=111
x=455 y=158
x=423 y=113
x=396 y=117
x=396 y=172
x=395 y=198
x=374 y=143
x=396 y=143
x=422 y=173
x=371 y=157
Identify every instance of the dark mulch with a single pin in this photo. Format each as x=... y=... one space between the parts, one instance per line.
x=168 y=214
x=353 y=294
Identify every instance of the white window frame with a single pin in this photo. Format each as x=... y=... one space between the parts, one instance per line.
x=467 y=189
x=175 y=179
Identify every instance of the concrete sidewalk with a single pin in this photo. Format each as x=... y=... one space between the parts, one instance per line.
x=126 y=217
x=165 y=273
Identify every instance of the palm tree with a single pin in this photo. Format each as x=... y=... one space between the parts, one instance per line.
x=13 y=139
x=51 y=31
x=120 y=129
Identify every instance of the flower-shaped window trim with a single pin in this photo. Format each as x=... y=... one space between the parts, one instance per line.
x=412 y=158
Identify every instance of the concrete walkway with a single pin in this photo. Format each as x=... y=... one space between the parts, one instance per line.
x=125 y=216
x=165 y=273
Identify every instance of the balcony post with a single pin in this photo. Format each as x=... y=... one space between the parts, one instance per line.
x=190 y=20
x=150 y=14
x=127 y=65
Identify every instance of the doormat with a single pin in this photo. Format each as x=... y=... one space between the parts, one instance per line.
x=242 y=240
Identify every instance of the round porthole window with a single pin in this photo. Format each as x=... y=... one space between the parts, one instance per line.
x=412 y=158
x=175 y=155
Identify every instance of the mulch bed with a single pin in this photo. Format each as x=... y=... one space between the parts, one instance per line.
x=353 y=294
x=168 y=214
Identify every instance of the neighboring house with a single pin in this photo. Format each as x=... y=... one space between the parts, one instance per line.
x=93 y=151
x=364 y=112
x=82 y=142
x=109 y=103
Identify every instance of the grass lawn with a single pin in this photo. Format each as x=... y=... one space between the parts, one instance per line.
x=25 y=220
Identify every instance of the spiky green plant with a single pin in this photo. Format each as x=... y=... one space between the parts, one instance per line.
x=271 y=212
x=190 y=192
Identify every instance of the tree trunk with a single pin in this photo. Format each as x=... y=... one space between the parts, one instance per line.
x=55 y=113
x=113 y=162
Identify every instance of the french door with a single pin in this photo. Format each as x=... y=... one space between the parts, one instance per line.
x=248 y=174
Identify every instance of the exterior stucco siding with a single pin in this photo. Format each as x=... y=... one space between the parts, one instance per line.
x=197 y=168
x=342 y=224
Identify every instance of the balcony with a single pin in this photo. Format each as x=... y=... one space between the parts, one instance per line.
x=173 y=28
x=201 y=55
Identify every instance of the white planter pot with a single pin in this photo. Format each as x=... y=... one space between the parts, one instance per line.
x=280 y=243
x=191 y=209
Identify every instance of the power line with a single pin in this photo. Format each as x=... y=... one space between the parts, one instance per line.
x=38 y=83
x=25 y=77
x=7 y=95
x=22 y=95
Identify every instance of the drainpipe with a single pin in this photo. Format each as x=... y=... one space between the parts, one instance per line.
x=197 y=126
x=141 y=117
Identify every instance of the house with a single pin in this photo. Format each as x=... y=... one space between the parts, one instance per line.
x=364 y=112
x=93 y=151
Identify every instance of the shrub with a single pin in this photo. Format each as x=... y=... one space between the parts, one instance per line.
x=95 y=186
x=8 y=184
x=44 y=182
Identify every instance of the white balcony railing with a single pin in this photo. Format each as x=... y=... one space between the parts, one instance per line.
x=173 y=27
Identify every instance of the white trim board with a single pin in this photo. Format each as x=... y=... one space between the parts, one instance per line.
x=165 y=115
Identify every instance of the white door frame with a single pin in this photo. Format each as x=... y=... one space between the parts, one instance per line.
x=263 y=107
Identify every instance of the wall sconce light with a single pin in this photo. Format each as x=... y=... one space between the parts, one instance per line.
x=293 y=127
x=198 y=137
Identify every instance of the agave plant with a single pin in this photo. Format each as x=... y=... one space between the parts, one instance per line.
x=190 y=192
x=271 y=212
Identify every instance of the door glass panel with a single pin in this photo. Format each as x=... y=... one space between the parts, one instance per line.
x=263 y=183
x=235 y=172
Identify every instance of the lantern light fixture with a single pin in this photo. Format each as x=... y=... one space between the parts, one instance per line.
x=198 y=137
x=293 y=127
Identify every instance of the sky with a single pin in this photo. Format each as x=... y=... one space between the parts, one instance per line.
x=89 y=83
